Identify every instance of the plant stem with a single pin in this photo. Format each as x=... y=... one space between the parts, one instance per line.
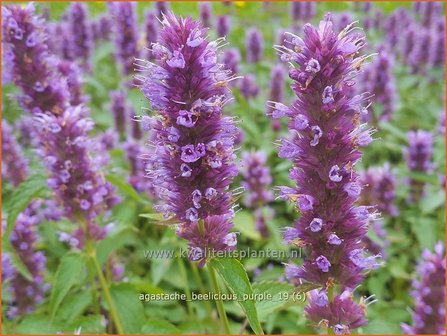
x=330 y=295
x=182 y=269
x=92 y=254
x=219 y=302
x=96 y=306
x=196 y=273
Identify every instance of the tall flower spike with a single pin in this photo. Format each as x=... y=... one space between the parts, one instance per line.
x=325 y=123
x=193 y=142
x=119 y=111
x=257 y=180
x=277 y=77
x=419 y=156
x=80 y=32
x=378 y=79
x=231 y=59
x=126 y=34
x=14 y=163
x=151 y=31
x=205 y=13
x=223 y=25
x=248 y=86
x=429 y=294
x=25 y=294
x=254 y=45
x=62 y=130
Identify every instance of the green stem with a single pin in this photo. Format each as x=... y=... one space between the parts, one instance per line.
x=219 y=302
x=96 y=306
x=198 y=278
x=330 y=295
x=105 y=288
x=182 y=269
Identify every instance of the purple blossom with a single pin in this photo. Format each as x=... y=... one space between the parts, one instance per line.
x=379 y=188
x=161 y=7
x=80 y=32
x=14 y=163
x=437 y=48
x=419 y=156
x=248 y=86
x=329 y=226
x=193 y=141
x=429 y=294
x=61 y=129
x=254 y=45
x=151 y=31
x=126 y=34
x=302 y=11
x=231 y=59
x=223 y=25
x=72 y=73
x=277 y=81
x=205 y=13
x=120 y=113
x=26 y=294
x=137 y=166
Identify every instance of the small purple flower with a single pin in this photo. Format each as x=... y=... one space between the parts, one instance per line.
x=323 y=264
x=231 y=59
x=316 y=224
x=248 y=86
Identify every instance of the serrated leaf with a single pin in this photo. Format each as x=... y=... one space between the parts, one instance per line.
x=236 y=278
x=74 y=305
x=129 y=308
x=160 y=327
x=93 y=324
x=244 y=222
x=68 y=274
x=28 y=190
x=274 y=295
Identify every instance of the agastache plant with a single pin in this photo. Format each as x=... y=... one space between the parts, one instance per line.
x=324 y=149
x=14 y=163
x=80 y=33
x=254 y=45
x=126 y=34
x=151 y=30
x=193 y=142
x=429 y=294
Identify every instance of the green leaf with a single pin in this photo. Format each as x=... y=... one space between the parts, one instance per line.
x=92 y=324
x=126 y=188
x=393 y=130
x=17 y=262
x=244 y=222
x=38 y=324
x=28 y=190
x=273 y=295
x=130 y=309
x=236 y=278
x=68 y=274
x=74 y=305
x=159 y=327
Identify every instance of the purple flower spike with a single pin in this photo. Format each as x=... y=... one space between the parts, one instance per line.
x=162 y=7
x=419 y=156
x=325 y=115
x=379 y=188
x=126 y=34
x=254 y=45
x=26 y=294
x=61 y=129
x=223 y=25
x=231 y=59
x=437 y=48
x=248 y=86
x=14 y=163
x=193 y=141
x=257 y=180
x=80 y=32
x=119 y=110
x=205 y=13
x=277 y=78
x=429 y=294
x=151 y=31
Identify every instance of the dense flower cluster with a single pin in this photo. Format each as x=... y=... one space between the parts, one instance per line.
x=429 y=294
x=231 y=59
x=119 y=110
x=325 y=122
x=205 y=13
x=379 y=189
x=14 y=163
x=254 y=45
x=125 y=33
x=80 y=33
x=419 y=155
x=71 y=72
x=135 y=156
x=257 y=180
x=25 y=294
x=277 y=78
x=193 y=157
x=62 y=129
x=101 y=28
